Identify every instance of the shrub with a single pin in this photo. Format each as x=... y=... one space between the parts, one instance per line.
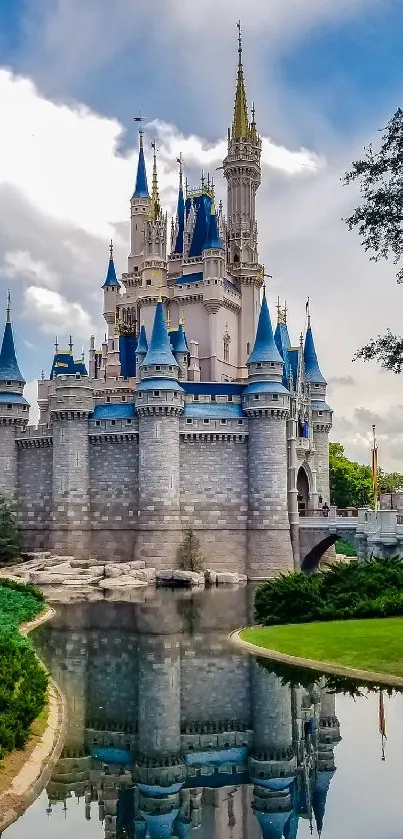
x=367 y=589
x=345 y=548
x=188 y=556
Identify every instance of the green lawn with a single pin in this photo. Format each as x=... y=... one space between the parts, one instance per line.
x=375 y=645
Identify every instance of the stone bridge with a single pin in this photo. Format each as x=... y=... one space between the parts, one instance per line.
x=372 y=532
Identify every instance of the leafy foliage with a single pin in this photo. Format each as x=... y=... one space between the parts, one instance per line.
x=350 y=482
x=292 y=675
x=9 y=546
x=368 y=589
x=379 y=217
x=23 y=681
x=379 y=222
x=189 y=557
x=345 y=548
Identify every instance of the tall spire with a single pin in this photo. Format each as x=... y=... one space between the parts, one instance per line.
x=180 y=210
x=240 y=124
x=213 y=238
x=9 y=370
x=159 y=348
x=155 y=211
x=265 y=348
x=312 y=369
x=141 y=188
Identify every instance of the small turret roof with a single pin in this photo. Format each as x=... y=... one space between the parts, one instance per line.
x=141 y=188
x=312 y=370
x=265 y=348
x=159 y=349
x=9 y=369
x=178 y=340
x=213 y=237
x=111 y=278
x=142 y=346
x=180 y=212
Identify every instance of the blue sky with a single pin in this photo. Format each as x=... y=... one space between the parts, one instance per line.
x=325 y=75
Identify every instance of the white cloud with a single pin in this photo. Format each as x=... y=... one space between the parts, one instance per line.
x=54 y=313
x=31 y=395
x=20 y=265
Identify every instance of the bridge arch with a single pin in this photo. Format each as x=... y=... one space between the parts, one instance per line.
x=304 y=487
x=311 y=560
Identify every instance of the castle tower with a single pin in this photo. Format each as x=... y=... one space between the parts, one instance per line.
x=181 y=351
x=70 y=404
x=321 y=415
x=266 y=402
x=243 y=173
x=111 y=288
x=213 y=275
x=155 y=253
x=159 y=404
x=140 y=205
x=13 y=410
x=141 y=351
x=179 y=225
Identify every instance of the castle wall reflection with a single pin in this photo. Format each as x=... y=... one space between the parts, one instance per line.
x=171 y=731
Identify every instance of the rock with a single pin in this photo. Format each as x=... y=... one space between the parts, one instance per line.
x=117 y=570
x=224 y=577
x=124 y=581
x=210 y=577
x=147 y=575
x=80 y=581
x=164 y=576
x=190 y=578
x=137 y=565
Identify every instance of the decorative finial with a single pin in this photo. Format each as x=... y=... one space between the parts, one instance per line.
x=308 y=313
x=159 y=289
x=253 y=112
x=181 y=317
x=111 y=249
x=56 y=345
x=285 y=311
x=239 y=41
x=70 y=344
x=220 y=206
x=301 y=339
x=168 y=320
x=8 y=317
x=202 y=179
x=180 y=161
x=264 y=290
x=155 y=198
x=42 y=376
x=278 y=309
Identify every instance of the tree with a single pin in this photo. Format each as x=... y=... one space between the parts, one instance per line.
x=379 y=222
x=350 y=482
x=9 y=543
x=188 y=556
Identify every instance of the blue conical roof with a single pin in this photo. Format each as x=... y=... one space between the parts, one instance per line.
x=142 y=346
x=320 y=792
x=181 y=343
x=265 y=347
x=312 y=370
x=159 y=349
x=180 y=212
x=9 y=370
x=111 y=278
x=141 y=188
x=213 y=238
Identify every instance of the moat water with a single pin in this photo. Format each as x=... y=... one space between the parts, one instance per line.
x=173 y=733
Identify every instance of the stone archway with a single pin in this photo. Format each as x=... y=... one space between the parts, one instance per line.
x=303 y=491
x=310 y=562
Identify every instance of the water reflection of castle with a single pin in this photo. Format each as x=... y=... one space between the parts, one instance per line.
x=172 y=732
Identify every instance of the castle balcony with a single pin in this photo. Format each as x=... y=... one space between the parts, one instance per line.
x=305 y=445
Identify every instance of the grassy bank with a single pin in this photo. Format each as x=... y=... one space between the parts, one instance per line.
x=23 y=681
x=373 y=645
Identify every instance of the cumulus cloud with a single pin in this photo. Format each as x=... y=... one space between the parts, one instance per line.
x=21 y=265
x=53 y=312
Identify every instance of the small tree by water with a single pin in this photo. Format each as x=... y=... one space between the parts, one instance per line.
x=189 y=556
x=9 y=543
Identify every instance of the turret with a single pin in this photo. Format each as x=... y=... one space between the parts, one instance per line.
x=140 y=204
x=179 y=226
x=13 y=410
x=243 y=174
x=181 y=350
x=159 y=403
x=321 y=414
x=266 y=402
x=155 y=249
x=141 y=350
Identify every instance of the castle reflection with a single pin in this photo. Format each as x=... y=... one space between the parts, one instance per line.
x=171 y=731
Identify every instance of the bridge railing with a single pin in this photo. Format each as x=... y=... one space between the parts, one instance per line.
x=329 y=512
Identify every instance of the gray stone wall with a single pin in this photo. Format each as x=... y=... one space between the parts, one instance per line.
x=71 y=527
x=114 y=496
x=271 y=708
x=214 y=498
x=8 y=461
x=321 y=440
x=35 y=496
x=269 y=542
x=159 y=716
x=205 y=670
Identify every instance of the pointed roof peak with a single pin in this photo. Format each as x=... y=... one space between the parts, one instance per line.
x=9 y=370
x=142 y=345
x=111 y=278
x=155 y=211
x=265 y=348
x=180 y=212
x=213 y=237
x=312 y=369
x=240 y=124
x=141 y=188
x=159 y=348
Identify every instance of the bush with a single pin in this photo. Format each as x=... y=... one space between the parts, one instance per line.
x=188 y=556
x=368 y=589
x=9 y=542
x=345 y=548
x=23 y=681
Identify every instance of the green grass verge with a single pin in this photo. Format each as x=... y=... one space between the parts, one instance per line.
x=375 y=645
x=23 y=681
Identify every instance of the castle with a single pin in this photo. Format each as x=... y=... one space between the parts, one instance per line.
x=194 y=413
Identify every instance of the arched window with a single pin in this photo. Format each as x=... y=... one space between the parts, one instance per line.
x=226 y=343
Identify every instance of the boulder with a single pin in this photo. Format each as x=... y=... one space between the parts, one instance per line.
x=224 y=577
x=164 y=576
x=188 y=578
x=80 y=581
x=117 y=569
x=123 y=581
x=210 y=577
